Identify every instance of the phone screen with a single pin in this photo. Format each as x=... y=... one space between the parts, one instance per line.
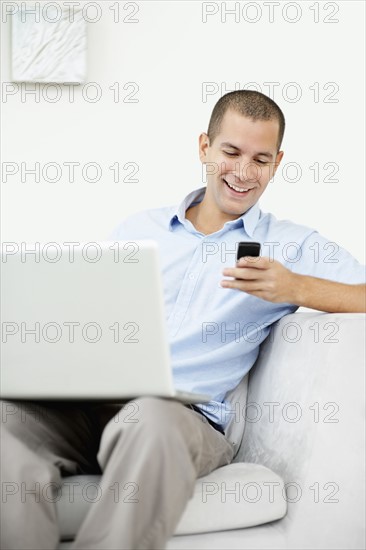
x=248 y=249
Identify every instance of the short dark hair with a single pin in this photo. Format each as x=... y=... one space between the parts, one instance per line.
x=249 y=103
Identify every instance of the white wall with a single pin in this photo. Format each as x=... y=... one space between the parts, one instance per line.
x=170 y=53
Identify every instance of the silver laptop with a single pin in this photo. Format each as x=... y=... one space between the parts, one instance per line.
x=84 y=322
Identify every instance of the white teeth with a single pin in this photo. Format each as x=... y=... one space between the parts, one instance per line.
x=238 y=189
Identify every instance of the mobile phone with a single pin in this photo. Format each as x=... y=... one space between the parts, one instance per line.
x=248 y=249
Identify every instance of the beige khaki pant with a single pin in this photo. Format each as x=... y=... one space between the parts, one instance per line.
x=151 y=449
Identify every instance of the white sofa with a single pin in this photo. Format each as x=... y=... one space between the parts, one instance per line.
x=299 y=428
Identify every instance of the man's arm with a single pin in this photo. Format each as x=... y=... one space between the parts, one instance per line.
x=329 y=296
x=271 y=281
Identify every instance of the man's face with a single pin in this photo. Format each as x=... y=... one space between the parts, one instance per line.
x=240 y=162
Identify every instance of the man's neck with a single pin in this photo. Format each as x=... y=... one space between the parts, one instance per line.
x=203 y=220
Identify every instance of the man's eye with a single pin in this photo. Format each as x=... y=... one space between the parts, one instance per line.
x=230 y=154
x=261 y=161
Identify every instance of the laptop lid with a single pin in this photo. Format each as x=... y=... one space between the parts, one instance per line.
x=83 y=321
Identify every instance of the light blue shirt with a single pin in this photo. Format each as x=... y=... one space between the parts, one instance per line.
x=215 y=332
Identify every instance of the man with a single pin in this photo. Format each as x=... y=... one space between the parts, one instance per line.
x=217 y=314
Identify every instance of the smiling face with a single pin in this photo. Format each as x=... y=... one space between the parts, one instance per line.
x=240 y=162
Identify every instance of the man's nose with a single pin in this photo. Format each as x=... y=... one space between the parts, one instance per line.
x=248 y=171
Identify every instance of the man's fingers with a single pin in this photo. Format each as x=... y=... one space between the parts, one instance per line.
x=240 y=273
x=260 y=262
x=246 y=286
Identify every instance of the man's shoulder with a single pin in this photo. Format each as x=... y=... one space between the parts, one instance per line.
x=283 y=228
x=145 y=221
x=161 y=214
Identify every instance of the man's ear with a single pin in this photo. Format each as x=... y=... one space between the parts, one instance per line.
x=203 y=143
x=277 y=161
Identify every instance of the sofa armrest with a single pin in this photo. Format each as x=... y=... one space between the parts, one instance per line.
x=305 y=420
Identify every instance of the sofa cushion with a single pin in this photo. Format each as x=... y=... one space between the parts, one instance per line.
x=237 y=399
x=77 y=495
x=233 y=496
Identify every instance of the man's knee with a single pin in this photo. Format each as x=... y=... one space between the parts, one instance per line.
x=151 y=413
x=155 y=422
x=17 y=412
x=9 y=412
x=156 y=427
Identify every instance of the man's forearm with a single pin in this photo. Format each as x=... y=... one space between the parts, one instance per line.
x=328 y=296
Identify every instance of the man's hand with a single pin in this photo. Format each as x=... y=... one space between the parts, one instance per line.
x=271 y=281
x=262 y=277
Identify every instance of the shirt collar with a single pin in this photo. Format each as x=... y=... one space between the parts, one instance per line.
x=248 y=220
